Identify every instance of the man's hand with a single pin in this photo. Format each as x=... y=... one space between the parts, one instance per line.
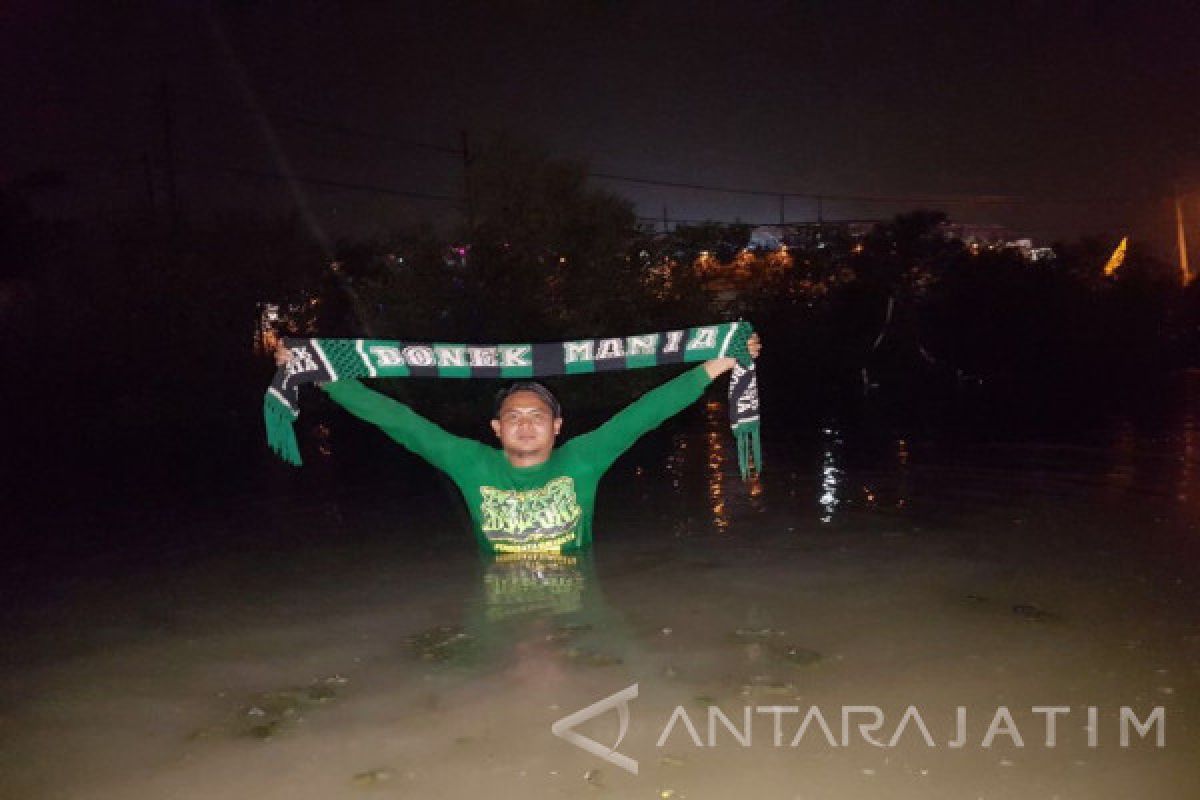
x=283 y=355
x=754 y=345
x=719 y=366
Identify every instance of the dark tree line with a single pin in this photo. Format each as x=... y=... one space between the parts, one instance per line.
x=149 y=330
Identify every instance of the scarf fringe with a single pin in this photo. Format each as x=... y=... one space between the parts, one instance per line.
x=749 y=443
x=281 y=432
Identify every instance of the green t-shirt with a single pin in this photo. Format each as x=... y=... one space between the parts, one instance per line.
x=544 y=508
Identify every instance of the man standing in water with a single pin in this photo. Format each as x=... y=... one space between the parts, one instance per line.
x=528 y=496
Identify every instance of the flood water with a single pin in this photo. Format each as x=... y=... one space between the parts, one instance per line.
x=330 y=632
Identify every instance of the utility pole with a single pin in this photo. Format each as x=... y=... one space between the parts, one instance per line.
x=820 y=219
x=168 y=131
x=664 y=217
x=469 y=199
x=1181 y=239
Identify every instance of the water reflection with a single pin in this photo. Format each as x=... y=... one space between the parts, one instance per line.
x=1124 y=451
x=323 y=436
x=903 y=474
x=754 y=490
x=540 y=613
x=715 y=432
x=930 y=478
x=675 y=469
x=524 y=583
x=831 y=474
x=1186 y=457
x=677 y=459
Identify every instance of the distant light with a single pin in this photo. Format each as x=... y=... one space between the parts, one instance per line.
x=1117 y=258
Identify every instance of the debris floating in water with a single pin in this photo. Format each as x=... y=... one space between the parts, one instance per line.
x=762 y=685
x=441 y=643
x=266 y=730
x=750 y=635
x=1031 y=612
x=768 y=640
x=564 y=632
x=372 y=777
x=796 y=656
x=268 y=714
x=592 y=658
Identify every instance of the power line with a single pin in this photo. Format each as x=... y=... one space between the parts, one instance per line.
x=355 y=132
x=332 y=184
x=387 y=190
x=967 y=199
x=695 y=186
x=914 y=199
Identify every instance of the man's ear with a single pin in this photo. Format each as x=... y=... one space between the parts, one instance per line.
x=557 y=425
x=496 y=427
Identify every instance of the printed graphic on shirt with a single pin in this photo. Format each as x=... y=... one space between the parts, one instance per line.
x=538 y=519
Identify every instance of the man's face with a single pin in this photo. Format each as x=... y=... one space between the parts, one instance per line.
x=526 y=425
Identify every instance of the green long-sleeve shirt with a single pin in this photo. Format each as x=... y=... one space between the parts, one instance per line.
x=543 y=508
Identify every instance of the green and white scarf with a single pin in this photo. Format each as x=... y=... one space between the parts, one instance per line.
x=323 y=360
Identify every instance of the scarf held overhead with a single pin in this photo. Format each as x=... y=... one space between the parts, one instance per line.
x=325 y=360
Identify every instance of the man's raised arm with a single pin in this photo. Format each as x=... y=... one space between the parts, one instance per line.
x=428 y=440
x=603 y=445
x=652 y=409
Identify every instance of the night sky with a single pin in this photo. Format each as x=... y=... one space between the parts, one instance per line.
x=1078 y=116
